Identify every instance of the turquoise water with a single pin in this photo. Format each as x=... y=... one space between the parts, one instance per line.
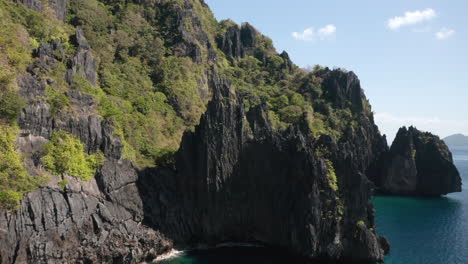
x=427 y=231
x=420 y=231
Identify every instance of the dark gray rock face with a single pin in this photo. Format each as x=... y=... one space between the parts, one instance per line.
x=248 y=36
x=343 y=88
x=239 y=41
x=185 y=40
x=237 y=179
x=419 y=164
x=58 y=6
x=32 y=4
x=288 y=64
x=83 y=62
x=82 y=224
x=240 y=180
x=38 y=120
x=231 y=43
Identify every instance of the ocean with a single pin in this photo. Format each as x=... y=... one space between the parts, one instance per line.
x=420 y=231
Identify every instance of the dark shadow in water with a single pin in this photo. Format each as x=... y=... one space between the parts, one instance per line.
x=241 y=255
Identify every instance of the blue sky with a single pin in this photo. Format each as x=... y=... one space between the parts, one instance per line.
x=413 y=66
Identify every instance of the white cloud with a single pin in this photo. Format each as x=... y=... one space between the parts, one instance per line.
x=310 y=34
x=411 y=18
x=389 y=124
x=444 y=33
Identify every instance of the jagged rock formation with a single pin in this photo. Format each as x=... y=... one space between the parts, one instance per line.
x=187 y=42
x=418 y=163
x=239 y=41
x=82 y=224
x=236 y=178
x=343 y=88
x=241 y=180
x=83 y=62
x=87 y=222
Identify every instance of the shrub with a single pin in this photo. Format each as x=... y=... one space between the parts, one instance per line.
x=332 y=180
x=10 y=199
x=361 y=224
x=297 y=99
x=290 y=114
x=14 y=180
x=65 y=154
x=180 y=85
x=11 y=103
x=63 y=184
x=280 y=102
x=166 y=158
x=57 y=100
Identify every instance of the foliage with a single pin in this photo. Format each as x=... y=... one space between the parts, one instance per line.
x=63 y=184
x=10 y=199
x=11 y=102
x=14 y=180
x=147 y=88
x=57 y=100
x=65 y=154
x=180 y=84
x=332 y=180
x=40 y=27
x=361 y=224
x=413 y=154
x=166 y=158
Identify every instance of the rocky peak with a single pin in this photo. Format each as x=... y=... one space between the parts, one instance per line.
x=343 y=88
x=288 y=64
x=247 y=41
x=188 y=33
x=419 y=163
x=83 y=63
x=231 y=43
x=259 y=121
x=248 y=35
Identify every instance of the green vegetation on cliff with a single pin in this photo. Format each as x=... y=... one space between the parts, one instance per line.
x=14 y=179
x=155 y=61
x=65 y=154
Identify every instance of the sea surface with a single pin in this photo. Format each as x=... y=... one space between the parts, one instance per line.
x=420 y=231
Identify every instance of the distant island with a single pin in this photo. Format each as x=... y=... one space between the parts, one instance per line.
x=456 y=140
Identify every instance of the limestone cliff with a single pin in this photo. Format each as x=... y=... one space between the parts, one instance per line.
x=243 y=181
x=281 y=156
x=419 y=164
